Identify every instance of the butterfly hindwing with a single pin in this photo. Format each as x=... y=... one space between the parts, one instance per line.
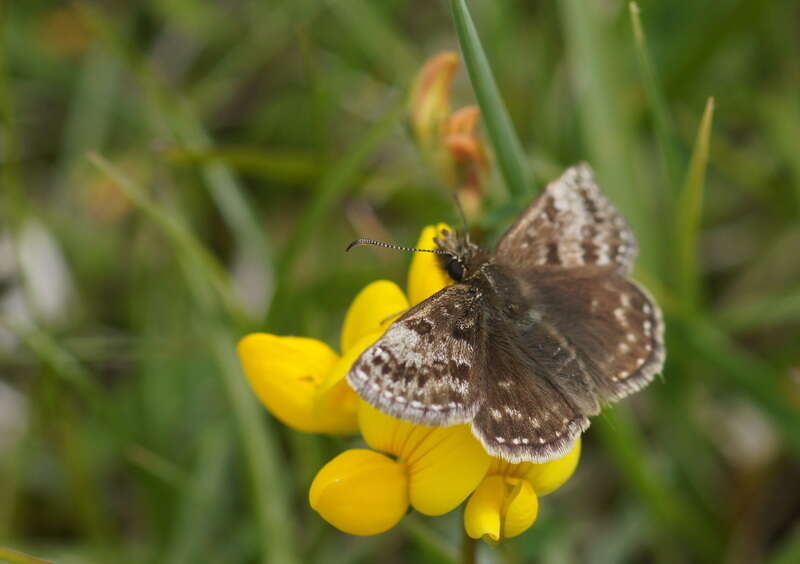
x=523 y=416
x=608 y=324
x=571 y=224
x=421 y=369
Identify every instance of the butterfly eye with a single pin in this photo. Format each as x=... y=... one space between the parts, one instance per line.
x=455 y=269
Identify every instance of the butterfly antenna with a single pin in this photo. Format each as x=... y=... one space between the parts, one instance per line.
x=360 y=242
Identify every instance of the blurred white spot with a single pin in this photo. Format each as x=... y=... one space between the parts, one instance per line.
x=40 y=265
x=252 y=282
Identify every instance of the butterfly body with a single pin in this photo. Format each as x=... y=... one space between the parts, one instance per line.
x=530 y=340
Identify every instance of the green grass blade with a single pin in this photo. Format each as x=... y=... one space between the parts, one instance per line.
x=230 y=199
x=655 y=97
x=335 y=184
x=688 y=216
x=508 y=150
x=605 y=123
x=663 y=501
x=781 y=115
x=184 y=242
x=268 y=481
x=752 y=377
x=15 y=557
x=789 y=551
x=387 y=49
x=201 y=509
x=766 y=311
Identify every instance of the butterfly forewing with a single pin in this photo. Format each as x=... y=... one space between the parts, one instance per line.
x=421 y=370
x=571 y=224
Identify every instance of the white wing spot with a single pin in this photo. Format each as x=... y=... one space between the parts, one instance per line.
x=495 y=414
x=624 y=348
x=500 y=440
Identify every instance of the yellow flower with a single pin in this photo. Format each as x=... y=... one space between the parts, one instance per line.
x=425 y=275
x=301 y=380
x=432 y=469
x=506 y=503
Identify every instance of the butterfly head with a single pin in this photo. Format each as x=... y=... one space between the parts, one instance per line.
x=460 y=257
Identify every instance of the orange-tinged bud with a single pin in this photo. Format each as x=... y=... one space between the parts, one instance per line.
x=430 y=98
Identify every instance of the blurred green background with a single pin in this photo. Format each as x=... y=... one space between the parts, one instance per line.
x=243 y=144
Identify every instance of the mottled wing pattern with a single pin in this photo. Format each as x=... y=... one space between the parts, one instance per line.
x=588 y=336
x=608 y=324
x=522 y=415
x=421 y=369
x=570 y=224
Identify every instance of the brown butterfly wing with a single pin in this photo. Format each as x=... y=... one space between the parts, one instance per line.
x=422 y=369
x=570 y=224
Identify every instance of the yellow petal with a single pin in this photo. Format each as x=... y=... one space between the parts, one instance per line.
x=360 y=492
x=335 y=403
x=342 y=367
x=501 y=507
x=385 y=433
x=335 y=409
x=520 y=507
x=444 y=469
x=371 y=311
x=482 y=514
x=284 y=372
x=444 y=463
x=426 y=275
x=550 y=476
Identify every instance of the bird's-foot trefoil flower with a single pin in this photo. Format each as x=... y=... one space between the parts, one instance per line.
x=366 y=491
x=432 y=469
x=506 y=502
x=301 y=380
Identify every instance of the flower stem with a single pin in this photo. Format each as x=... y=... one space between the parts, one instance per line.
x=469 y=550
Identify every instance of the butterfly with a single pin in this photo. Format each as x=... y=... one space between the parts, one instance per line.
x=531 y=340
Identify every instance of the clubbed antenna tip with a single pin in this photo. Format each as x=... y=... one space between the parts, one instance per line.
x=362 y=241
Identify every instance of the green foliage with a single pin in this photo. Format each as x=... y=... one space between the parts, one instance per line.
x=202 y=165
